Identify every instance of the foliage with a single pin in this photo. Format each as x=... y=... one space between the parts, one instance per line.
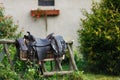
x=6 y=73
x=99 y=37
x=79 y=60
x=75 y=76
x=78 y=75
x=7 y=30
x=7 y=27
x=89 y=76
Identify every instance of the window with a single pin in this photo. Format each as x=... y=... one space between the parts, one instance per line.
x=46 y=2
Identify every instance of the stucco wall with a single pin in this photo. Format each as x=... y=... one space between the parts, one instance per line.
x=66 y=24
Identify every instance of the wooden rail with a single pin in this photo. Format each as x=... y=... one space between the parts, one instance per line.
x=73 y=66
x=47 y=74
x=6 y=41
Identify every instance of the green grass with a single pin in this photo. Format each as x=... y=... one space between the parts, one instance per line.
x=89 y=76
x=85 y=76
x=48 y=65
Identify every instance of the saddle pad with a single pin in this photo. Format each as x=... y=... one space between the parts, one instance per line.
x=42 y=42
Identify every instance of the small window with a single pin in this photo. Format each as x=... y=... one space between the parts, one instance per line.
x=46 y=2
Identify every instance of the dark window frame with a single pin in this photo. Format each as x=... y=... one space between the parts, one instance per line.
x=46 y=2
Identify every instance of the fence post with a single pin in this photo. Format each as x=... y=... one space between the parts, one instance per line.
x=70 y=49
x=8 y=55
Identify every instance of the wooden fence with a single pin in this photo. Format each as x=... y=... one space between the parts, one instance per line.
x=73 y=66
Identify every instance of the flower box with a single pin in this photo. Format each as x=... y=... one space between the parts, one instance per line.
x=39 y=13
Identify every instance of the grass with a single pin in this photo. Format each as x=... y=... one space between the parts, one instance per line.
x=85 y=76
x=89 y=76
x=79 y=76
x=65 y=66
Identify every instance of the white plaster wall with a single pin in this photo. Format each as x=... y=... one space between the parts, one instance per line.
x=66 y=24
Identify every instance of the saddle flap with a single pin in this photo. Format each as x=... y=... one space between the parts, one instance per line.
x=21 y=44
x=21 y=49
x=42 y=42
x=60 y=42
x=42 y=52
x=59 y=45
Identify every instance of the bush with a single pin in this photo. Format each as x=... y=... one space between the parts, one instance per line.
x=7 y=27
x=6 y=73
x=8 y=30
x=99 y=37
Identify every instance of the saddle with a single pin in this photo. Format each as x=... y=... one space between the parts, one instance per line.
x=41 y=42
x=41 y=47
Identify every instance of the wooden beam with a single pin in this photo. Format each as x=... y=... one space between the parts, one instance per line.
x=47 y=74
x=72 y=57
x=52 y=58
x=6 y=41
x=69 y=42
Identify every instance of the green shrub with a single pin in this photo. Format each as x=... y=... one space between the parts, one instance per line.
x=99 y=37
x=7 y=27
x=7 y=74
x=79 y=60
x=78 y=75
x=8 y=30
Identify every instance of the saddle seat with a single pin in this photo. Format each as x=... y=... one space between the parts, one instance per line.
x=41 y=42
x=42 y=47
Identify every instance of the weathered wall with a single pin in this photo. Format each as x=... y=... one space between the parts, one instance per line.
x=66 y=24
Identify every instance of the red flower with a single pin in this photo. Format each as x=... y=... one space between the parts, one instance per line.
x=38 y=16
x=33 y=14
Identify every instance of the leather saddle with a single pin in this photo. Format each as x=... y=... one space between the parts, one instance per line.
x=41 y=42
x=41 y=47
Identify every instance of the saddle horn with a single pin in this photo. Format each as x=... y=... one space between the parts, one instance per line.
x=28 y=32
x=29 y=37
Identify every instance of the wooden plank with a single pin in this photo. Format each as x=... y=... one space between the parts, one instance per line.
x=58 y=65
x=52 y=58
x=72 y=58
x=71 y=47
x=6 y=41
x=47 y=74
x=69 y=42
